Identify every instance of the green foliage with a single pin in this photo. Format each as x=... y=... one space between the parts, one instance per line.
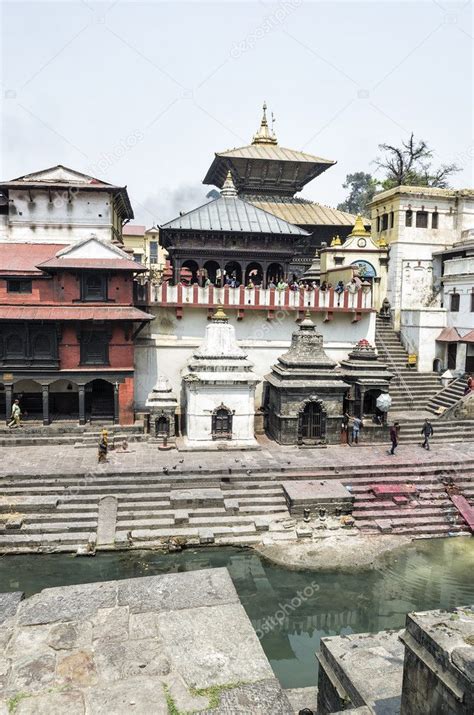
x=13 y=702
x=362 y=187
x=213 y=693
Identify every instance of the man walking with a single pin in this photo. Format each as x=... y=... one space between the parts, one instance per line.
x=394 y=436
x=427 y=432
x=16 y=415
x=356 y=425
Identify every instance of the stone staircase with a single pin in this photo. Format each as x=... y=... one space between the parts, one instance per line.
x=61 y=513
x=449 y=431
x=447 y=397
x=65 y=432
x=408 y=388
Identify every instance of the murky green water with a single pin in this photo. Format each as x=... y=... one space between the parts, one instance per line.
x=290 y=610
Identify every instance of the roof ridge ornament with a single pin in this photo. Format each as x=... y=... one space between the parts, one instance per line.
x=228 y=188
x=264 y=134
x=359 y=228
x=220 y=316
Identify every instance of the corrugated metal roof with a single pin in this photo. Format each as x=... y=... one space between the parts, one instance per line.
x=272 y=151
x=230 y=213
x=55 y=312
x=23 y=258
x=305 y=213
x=111 y=264
x=133 y=230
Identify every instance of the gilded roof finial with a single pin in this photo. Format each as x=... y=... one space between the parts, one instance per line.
x=219 y=316
x=336 y=241
x=359 y=228
x=228 y=187
x=264 y=134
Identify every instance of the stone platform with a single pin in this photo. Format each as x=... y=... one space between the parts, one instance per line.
x=364 y=670
x=330 y=495
x=153 y=645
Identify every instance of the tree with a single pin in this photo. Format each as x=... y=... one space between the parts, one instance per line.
x=362 y=188
x=410 y=164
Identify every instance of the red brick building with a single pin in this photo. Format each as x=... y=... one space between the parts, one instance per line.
x=67 y=329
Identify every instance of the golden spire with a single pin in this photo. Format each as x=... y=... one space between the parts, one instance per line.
x=359 y=228
x=219 y=316
x=264 y=134
x=228 y=187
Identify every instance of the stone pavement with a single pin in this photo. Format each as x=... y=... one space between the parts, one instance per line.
x=154 y=645
x=142 y=457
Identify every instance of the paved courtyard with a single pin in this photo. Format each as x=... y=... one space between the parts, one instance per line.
x=142 y=457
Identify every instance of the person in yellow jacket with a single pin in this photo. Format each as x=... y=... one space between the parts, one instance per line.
x=16 y=415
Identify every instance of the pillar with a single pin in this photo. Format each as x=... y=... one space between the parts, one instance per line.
x=82 y=404
x=8 y=401
x=45 y=392
x=116 y=404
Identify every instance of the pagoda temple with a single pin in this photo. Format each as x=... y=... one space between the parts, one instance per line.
x=269 y=176
x=230 y=238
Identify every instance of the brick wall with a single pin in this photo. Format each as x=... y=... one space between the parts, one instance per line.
x=126 y=396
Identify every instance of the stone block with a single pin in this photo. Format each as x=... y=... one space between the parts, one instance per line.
x=110 y=623
x=304 y=532
x=181 y=516
x=186 y=498
x=262 y=523
x=256 y=698
x=206 y=536
x=52 y=703
x=231 y=506
x=314 y=495
x=133 y=695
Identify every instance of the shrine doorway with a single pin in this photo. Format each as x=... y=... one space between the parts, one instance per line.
x=222 y=423
x=313 y=421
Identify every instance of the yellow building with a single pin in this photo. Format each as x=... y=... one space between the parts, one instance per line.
x=360 y=257
x=144 y=244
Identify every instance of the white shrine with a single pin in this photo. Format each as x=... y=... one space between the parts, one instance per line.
x=219 y=386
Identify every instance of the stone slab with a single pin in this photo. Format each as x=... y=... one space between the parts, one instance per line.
x=206 y=646
x=107 y=521
x=9 y=603
x=183 y=498
x=120 y=646
x=314 y=494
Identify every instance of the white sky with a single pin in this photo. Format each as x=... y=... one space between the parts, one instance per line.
x=144 y=93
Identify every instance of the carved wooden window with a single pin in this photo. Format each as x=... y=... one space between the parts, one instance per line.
x=94 y=287
x=455 y=298
x=434 y=219
x=42 y=346
x=384 y=222
x=94 y=348
x=408 y=217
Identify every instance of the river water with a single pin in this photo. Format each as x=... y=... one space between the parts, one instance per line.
x=290 y=610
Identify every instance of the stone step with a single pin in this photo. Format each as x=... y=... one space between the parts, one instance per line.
x=43 y=540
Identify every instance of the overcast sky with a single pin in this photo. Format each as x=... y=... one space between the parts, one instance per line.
x=144 y=93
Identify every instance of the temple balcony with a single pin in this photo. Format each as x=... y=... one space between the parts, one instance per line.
x=270 y=300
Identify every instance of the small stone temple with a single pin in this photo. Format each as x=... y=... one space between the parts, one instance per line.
x=368 y=378
x=219 y=387
x=162 y=405
x=305 y=392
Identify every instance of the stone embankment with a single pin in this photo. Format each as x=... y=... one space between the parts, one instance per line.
x=119 y=505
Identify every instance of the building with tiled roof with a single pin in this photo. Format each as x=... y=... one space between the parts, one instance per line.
x=269 y=177
x=67 y=326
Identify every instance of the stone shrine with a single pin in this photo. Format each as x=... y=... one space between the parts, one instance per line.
x=219 y=387
x=162 y=405
x=305 y=392
x=368 y=377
